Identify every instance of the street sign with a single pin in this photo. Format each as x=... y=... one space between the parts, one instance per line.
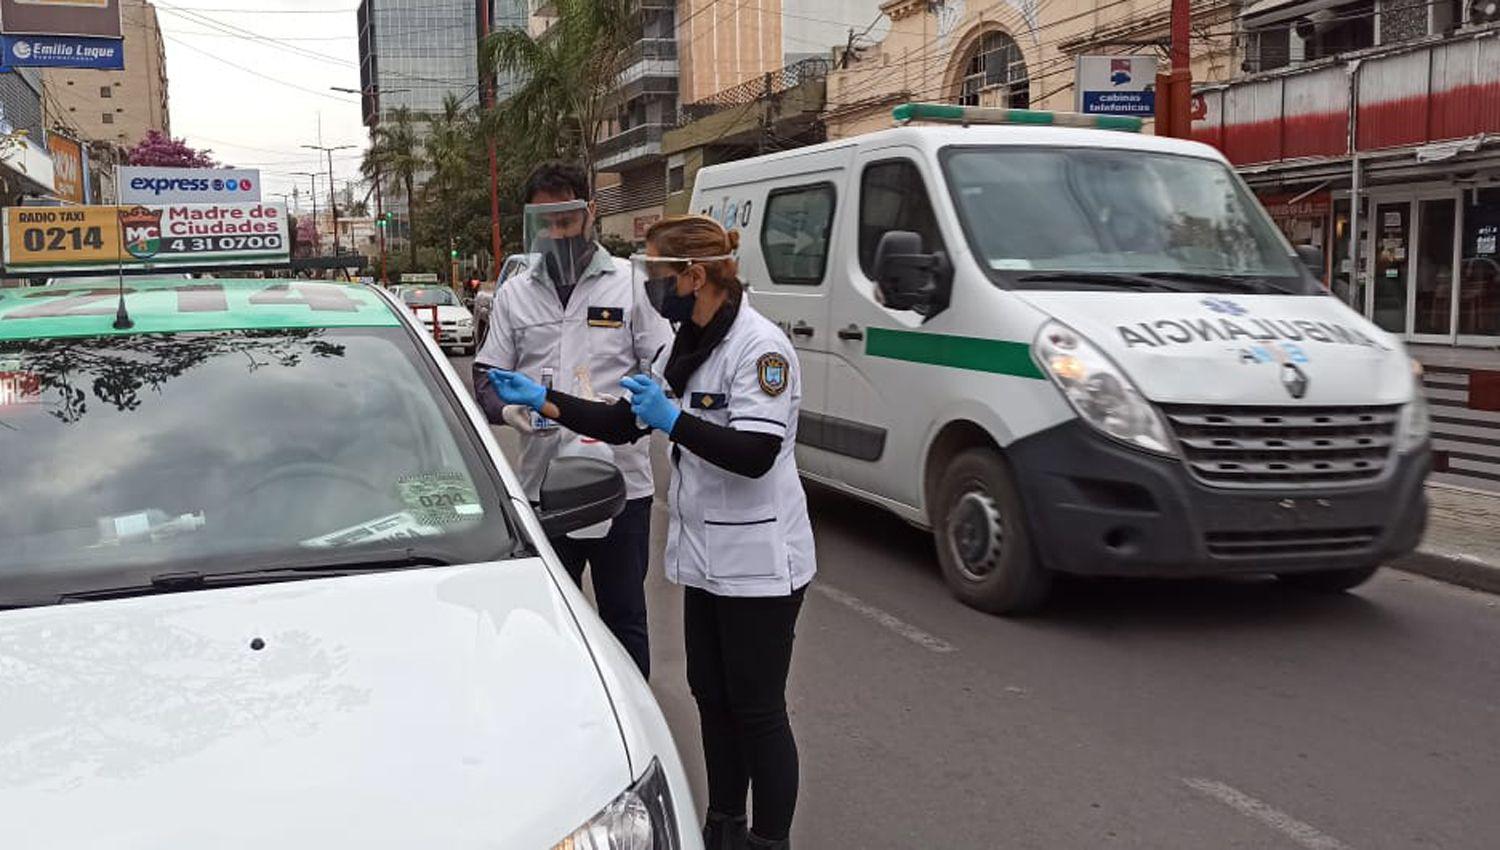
x=57 y=239
x=419 y=277
x=1117 y=85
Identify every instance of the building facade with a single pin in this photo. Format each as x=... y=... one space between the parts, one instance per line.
x=25 y=163
x=116 y=107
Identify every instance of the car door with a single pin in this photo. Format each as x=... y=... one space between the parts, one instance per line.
x=788 y=268
x=880 y=404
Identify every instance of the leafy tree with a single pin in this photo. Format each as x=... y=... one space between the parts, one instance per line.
x=164 y=151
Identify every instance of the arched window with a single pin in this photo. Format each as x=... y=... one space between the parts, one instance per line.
x=995 y=68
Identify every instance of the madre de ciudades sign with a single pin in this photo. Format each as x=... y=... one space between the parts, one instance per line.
x=56 y=239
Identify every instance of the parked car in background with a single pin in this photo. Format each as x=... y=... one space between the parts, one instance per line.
x=454 y=326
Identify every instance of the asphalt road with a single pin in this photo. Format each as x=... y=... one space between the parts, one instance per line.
x=1131 y=714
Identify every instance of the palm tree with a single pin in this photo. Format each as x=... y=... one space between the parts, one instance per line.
x=394 y=152
x=449 y=149
x=568 y=75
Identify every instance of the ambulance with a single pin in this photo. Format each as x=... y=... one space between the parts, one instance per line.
x=1067 y=347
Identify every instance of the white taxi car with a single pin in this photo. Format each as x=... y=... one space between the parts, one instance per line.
x=455 y=324
x=266 y=580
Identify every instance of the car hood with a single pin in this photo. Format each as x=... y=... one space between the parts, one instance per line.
x=454 y=708
x=1253 y=349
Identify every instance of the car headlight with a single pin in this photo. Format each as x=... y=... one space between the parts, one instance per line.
x=1416 y=418
x=1101 y=393
x=639 y=819
x=467 y=322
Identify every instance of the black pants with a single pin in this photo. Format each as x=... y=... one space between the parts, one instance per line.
x=738 y=653
x=619 y=559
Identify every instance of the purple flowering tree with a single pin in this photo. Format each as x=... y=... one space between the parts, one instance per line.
x=166 y=152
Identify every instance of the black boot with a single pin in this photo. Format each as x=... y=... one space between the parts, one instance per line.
x=722 y=832
x=755 y=842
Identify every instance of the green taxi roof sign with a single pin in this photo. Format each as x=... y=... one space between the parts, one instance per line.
x=947 y=113
x=186 y=306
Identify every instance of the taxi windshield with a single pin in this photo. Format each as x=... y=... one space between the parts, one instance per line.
x=428 y=297
x=137 y=455
x=1100 y=211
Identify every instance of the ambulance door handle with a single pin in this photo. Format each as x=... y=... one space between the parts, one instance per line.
x=802 y=329
x=851 y=333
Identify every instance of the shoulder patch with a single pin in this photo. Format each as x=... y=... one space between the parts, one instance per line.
x=772 y=370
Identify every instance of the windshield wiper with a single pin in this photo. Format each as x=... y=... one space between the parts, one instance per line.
x=322 y=567
x=1242 y=284
x=1122 y=280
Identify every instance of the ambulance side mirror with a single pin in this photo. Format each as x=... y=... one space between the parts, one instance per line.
x=909 y=278
x=1312 y=257
x=579 y=492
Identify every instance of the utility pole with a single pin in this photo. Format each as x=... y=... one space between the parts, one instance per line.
x=489 y=103
x=312 y=177
x=333 y=202
x=1174 y=90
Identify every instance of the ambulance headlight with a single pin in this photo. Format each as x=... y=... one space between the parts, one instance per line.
x=642 y=818
x=1103 y=396
x=1416 y=419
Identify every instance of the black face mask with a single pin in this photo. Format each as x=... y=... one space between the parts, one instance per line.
x=662 y=292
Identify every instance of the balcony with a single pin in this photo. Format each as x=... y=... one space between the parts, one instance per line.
x=638 y=145
x=1433 y=99
x=648 y=59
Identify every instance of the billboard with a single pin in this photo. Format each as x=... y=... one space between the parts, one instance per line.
x=56 y=239
x=61 y=51
x=1117 y=85
x=96 y=18
x=68 y=182
x=142 y=184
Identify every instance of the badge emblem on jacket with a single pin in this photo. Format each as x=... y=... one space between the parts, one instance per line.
x=772 y=370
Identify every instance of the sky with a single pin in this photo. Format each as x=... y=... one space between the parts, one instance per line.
x=250 y=79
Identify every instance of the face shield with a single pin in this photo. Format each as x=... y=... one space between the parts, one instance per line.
x=560 y=236
x=658 y=276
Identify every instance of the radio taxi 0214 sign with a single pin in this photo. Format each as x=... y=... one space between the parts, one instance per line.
x=134 y=237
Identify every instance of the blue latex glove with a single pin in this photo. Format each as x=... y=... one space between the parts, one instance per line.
x=650 y=404
x=515 y=388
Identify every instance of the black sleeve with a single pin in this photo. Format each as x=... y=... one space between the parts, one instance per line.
x=747 y=453
x=484 y=393
x=610 y=423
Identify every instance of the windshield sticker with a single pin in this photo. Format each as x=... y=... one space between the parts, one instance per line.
x=1010 y=264
x=1232 y=323
x=439 y=498
x=398 y=526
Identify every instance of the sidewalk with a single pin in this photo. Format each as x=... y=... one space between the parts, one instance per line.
x=1463 y=539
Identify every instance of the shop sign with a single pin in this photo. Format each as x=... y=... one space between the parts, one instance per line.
x=96 y=18
x=1117 y=85
x=67 y=168
x=1284 y=206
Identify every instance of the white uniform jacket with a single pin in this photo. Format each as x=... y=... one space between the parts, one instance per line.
x=609 y=330
x=732 y=535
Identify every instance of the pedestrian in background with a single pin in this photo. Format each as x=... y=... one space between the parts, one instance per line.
x=739 y=539
x=579 y=322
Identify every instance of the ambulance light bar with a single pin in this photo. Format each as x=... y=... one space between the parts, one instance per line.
x=949 y=114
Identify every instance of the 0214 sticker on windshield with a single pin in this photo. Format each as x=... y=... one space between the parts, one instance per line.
x=439 y=498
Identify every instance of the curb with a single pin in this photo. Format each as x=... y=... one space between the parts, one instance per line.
x=1452 y=568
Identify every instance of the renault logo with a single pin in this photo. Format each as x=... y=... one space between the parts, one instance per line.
x=1294 y=379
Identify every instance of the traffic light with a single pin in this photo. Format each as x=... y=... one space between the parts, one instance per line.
x=453 y=255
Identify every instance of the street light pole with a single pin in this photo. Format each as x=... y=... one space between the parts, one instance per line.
x=373 y=93
x=333 y=203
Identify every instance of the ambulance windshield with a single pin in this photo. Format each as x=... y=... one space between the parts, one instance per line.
x=1099 y=211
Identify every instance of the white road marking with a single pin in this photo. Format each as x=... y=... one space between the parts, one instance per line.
x=888 y=620
x=1304 y=834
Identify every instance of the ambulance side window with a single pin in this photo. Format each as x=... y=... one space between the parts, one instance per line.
x=892 y=196
x=794 y=235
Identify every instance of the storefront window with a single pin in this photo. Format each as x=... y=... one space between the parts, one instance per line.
x=1434 y=290
x=1479 y=288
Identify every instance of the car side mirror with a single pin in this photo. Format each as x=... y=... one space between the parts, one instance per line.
x=579 y=492
x=908 y=277
x=1312 y=257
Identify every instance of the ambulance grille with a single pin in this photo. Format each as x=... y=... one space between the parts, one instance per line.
x=1284 y=446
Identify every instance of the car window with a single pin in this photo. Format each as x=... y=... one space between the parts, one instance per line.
x=165 y=452
x=794 y=235
x=893 y=196
x=436 y=297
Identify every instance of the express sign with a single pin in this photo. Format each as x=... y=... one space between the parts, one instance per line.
x=54 y=239
x=147 y=185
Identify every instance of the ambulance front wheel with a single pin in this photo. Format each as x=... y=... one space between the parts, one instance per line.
x=983 y=541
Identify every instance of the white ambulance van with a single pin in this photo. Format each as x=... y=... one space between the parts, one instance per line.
x=1065 y=347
